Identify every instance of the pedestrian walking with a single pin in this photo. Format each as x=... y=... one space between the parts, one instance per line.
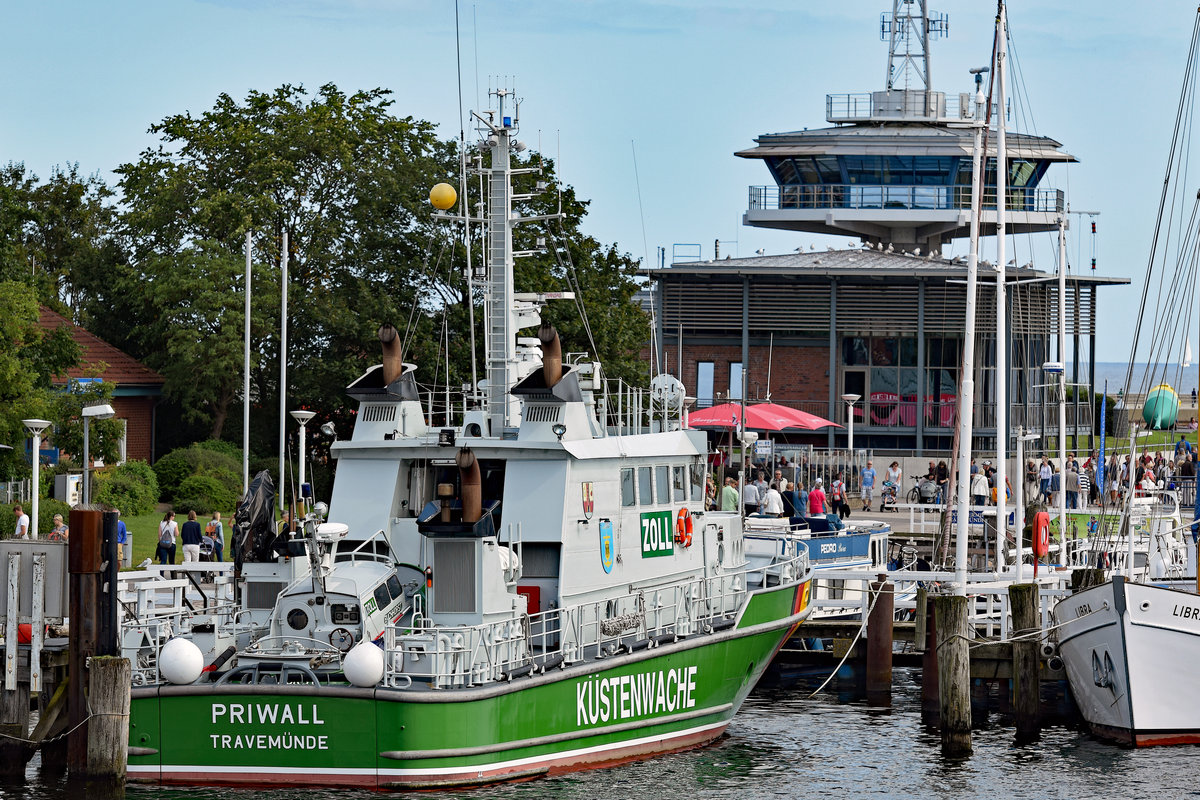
x=868 y=485
x=190 y=535
x=168 y=529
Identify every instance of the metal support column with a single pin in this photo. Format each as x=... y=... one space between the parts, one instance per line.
x=921 y=387
x=1092 y=375
x=833 y=352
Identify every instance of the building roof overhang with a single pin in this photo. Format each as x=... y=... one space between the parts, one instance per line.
x=899 y=139
x=860 y=264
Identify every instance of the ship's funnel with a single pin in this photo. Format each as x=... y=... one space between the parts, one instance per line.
x=551 y=354
x=472 y=497
x=393 y=362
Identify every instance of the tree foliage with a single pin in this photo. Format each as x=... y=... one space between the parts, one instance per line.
x=176 y=467
x=155 y=265
x=103 y=435
x=28 y=358
x=340 y=174
x=132 y=487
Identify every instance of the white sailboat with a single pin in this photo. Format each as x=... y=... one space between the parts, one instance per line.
x=1127 y=648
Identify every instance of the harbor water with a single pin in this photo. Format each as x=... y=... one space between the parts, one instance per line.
x=784 y=744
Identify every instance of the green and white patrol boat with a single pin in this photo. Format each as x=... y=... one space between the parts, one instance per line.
x=533 y=591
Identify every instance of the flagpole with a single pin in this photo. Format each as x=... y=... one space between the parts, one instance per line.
x=283 y=359
x=246 y=375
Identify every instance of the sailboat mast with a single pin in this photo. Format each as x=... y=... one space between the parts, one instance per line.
x=1001 y=300
x=1062 y=380
x=966 y=403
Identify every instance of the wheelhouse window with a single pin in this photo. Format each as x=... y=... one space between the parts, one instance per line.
x=395 y=588
x=679 y=484
x=382 y=598
x=662 y=484
x=628 y=496
x=645 y=492
x=697 y=480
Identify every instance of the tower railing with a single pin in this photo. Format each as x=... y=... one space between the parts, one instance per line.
x=897 y=196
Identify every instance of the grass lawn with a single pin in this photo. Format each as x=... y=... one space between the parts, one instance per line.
x=1150 y=440
x=144 y=530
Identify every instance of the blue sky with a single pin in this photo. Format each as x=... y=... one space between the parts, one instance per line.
x=680 y=83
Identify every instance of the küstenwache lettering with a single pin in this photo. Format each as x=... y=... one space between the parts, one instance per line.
x=603 y=699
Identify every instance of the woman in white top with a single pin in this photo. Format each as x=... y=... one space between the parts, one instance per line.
x=893 y=474
x=772 y=502
x=168 y=529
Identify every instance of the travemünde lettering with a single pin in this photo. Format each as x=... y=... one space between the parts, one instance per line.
x=641 y=694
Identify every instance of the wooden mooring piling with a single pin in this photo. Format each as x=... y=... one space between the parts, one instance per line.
x=79 y=683
x=992 y=654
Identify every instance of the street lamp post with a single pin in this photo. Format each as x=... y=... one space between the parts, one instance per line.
x=89 y=413
x=850 y=399
x=35 y=428
x=302 y=417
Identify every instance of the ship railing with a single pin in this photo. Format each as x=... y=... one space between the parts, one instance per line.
x=631 y=410
x=989 y=612
x=800 y=197
x=154 y=605
x=449 y=657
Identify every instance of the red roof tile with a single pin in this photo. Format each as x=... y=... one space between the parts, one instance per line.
x=120 y=368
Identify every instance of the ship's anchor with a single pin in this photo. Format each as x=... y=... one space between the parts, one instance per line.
x=1102 y=674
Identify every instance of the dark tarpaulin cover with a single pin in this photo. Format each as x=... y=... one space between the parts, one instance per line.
x=254 y=522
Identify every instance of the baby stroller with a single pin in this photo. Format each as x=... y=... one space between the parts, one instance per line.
x=926 y=491
x=888 y=497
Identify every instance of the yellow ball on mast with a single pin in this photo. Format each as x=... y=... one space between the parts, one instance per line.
x=443 y=197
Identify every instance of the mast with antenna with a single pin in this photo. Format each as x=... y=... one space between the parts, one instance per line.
x=966 y=405
x=907 y=30
x=1001 y=300
x=500 y=326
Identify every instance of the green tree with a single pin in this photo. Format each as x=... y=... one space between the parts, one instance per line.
x=16 y=214
x=66 y=409
x=29 y=357
x=347 y=181
x=72 y=237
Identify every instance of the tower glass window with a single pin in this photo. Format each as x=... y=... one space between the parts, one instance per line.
x=705 y=371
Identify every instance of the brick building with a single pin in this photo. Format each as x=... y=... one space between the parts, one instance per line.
x=889 y=327
x=138 y=388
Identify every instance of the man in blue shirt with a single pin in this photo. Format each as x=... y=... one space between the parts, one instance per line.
x=1183 y=448
x=868 y=485
x=122 y=538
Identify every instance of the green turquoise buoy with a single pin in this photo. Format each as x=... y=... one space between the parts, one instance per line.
x=1161 y=408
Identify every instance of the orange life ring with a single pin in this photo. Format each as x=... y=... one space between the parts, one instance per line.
x=683 y=527
x=1041 y=534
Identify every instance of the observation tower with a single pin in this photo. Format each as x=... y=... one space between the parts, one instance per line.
x=895 y=167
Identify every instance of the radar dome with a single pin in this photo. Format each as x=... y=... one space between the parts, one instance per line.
x=180 y=661
x=363 y=665
x=443 y=197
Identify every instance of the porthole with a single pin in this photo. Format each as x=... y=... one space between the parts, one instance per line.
x=297 y=619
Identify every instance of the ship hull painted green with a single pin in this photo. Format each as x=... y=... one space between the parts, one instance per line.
x=600 y=713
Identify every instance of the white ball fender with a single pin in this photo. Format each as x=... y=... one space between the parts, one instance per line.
x=363 y=665
x=180 y=661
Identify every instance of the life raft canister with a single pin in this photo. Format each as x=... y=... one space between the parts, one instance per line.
x=683 y=527
x=1041 y=533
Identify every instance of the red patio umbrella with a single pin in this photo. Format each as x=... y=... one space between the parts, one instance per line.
x=759 y=417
